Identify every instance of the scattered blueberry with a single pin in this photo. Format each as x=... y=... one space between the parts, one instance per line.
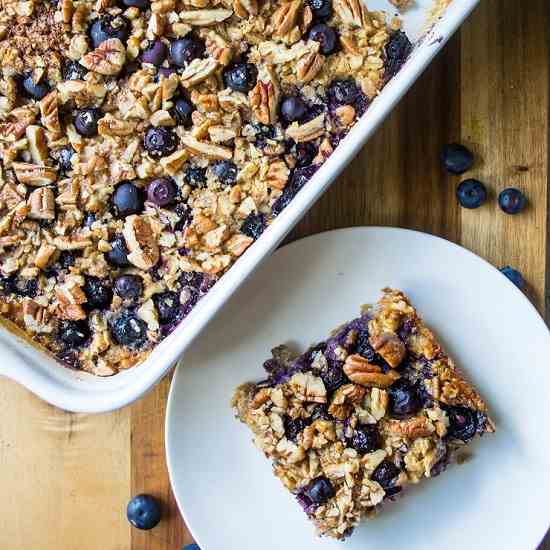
x=162 y=191
x=89 y=219
x=322 y=9
x=118 y=255
x=66 y=259
x=326 y=36
x=241 y=77
x=74 y=71
x=264 y=132
x=85 y=121
x=127 y=199
x=184 y=50
x=35 y=90
x=159 y=142
x=143 y=512
x=343 y=92
x=141 y=4
x=293 y=108
x=253 y=225
x=463 y=423
x=333 y=377
x=64 y=156
x=183 y=109
x=184 y=214
x=108 y=27
x=294 y=427
x=397 y=51
x=512 y=201
x=129 y=330
x=168 y=307
x=471 y=193
x=74 y=333
x=456 y=158
x=129 y=286
x=363 y=347
x=514 y=275
x=155 y=54
x=404 y=399
x=365 y=439
x=298 y=178
x=386 y=474
x=319 y=490
x=304 y=153
x=98 y=292
x=195 y=176
x=226 y=171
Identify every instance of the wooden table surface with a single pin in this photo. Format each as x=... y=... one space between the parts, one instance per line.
x=66 y=478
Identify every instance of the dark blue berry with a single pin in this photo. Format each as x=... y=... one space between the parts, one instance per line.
x=168 y=307
x=66 y=259
x=471 y=193
x=365 y=439
x=184 y=50
x=69 y=358
x=143 y=512
x=35 y=90
x=184 y=214
x=108 y=27
x=162 y=191
x=386 y=475
x=304 y=153
x=463 y=423
x=298 y=178
x=241 y=77
x=514 y=275
x=264 y=132
x=129 y=286
x=64 y=158
x=456 y=158
x=403 y=399
x=294 y=427
x=74 y=71
x=397 y=51
x=326 y=36
x=343 y=92
x=293 y=108
x=85 y=121
x=253 y=225
x=161 y=141
x=128 y=330
x=127 y=199
x=332 y=377
x=89 y=219
x=363 y=347
x=322 y=9
x=512 y=201
x=226 y=171
x=19 y=286
x=183 y=109
x=99 y=293
x=118 y=255
x=155 y=54
x=195 y=176
x=74 y=333
x=319 y=490
x=141 y=4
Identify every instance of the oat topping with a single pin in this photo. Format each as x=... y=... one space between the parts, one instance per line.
x=352 y=421
x=158 y=140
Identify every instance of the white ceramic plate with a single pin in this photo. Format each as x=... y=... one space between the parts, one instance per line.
x=498 y=499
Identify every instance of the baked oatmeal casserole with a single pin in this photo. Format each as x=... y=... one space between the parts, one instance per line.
x=144 y=146
x=348 y=424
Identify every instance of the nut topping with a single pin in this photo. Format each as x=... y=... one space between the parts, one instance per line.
x=141 y=242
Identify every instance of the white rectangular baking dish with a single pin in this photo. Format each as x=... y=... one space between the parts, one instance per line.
x=80 y=392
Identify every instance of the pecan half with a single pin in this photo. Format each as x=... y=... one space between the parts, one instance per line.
x=308 y=66
x=141 y=242
x=107 y=59
x=210 y=151
x=197 y=71
x=351 y=12
x=360 y=371
x=411 y=428
x=264 y=97
x=34 y=175
x=286 y=16
x=42 y=204
x=390 y=347
x=200 y=18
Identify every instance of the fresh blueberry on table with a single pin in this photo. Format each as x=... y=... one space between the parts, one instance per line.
x=129 y=286
x=34 y=90
x=143 y=512
x=241 y=77
x=326 y=36
x=322 y=9
x=118 y=255
x=512 y=201
x=319 y=490
x=74 y=333
x=108 y=27
x=403 y=399
x=162 y=191
x=183 y=109
x=365 y=439
x=155 y=54
x=195 y=176
x=293 y=108
x=127 y=199
x=456 y=158
x=471 y=193
x=184 y=50
x=514 y=275
x=226 y=171
x=99 y=293
x=74 y=71
x=128 y=329
x=160 y=142
x=85 y=121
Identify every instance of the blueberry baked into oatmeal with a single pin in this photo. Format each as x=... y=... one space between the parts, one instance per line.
x=356 y=418
x=144 y=146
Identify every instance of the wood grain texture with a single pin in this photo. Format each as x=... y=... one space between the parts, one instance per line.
x=66 y=478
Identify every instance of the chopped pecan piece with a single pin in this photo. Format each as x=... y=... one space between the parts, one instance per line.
x=141 y=242
x=107 y=59
x=390 y=347
x=42 y=204
x=341 y=405
x=33 y=174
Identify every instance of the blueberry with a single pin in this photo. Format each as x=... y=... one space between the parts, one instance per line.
x=118 y=255
x=64 y=156
x=166 y=72
x=403 y=398
x=74 y=71
x=241 y=77
x=143 y=512
x=386 y=474
x=99 y=293
x=195 y=176
x=155 y=54
x=343 y=92
x=363 y=347
x=294 y=427
x=85 y=121
x=108 y=27
x=127 y=199
x=159 y=142
x=168 y=307
x=365 y=439
x=183 y=109
x=326 y=36
x=74 y=333
x=293 y=108
x=264 y=132
x=304 y=153
x=332 y=377
x=184 y=214
x=129 y=330
x=184 y=50
x=141 y=4
x=456 y=158
x=322 y=9
x=397 y=51
x=514 y=275
x=162 y=191
x=319 y=490
x=89 y=219
x=512 y=201
x=463 y=423
x=66 y=259
x=253 y=225
x=129 y=286
x=35 y=90
x=226 y=171
x=298 y=178
x=471 y=193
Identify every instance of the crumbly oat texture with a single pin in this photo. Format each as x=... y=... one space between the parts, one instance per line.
x=356 y=418
x=144 y=146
